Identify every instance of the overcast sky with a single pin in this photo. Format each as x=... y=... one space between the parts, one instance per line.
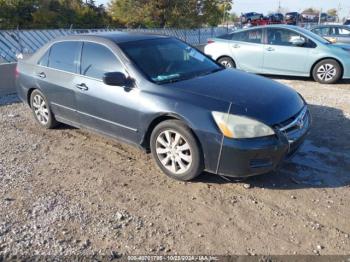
x=265 y=6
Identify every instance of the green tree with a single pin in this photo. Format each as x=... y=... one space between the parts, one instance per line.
x=52 y=14
x=169 y=13
x=332 y=12
x=311 y=10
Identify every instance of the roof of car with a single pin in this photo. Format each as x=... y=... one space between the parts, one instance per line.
x=322 y=26
x=117 y=37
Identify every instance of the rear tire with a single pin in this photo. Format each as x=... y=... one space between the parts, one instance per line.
x=227 y=62
x=327 y=71
x=41 y=110
x=176 y=150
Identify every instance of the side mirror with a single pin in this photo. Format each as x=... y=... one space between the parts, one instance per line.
x=297 y=41
x=115 y=79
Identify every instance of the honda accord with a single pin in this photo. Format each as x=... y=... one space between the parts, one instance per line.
x=167 y=98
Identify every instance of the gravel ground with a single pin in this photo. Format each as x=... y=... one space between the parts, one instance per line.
x=71 y=192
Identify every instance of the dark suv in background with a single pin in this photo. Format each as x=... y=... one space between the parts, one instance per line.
x=276 y=18
x=292 y=18
x=250 y=17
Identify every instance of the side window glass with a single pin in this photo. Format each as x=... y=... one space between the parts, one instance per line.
x=228 y=36
x=283 y=37
x=344 y=32
x=249 y=36
x=332 y=31
x=44 y=61
x=324 y=30
x=97 y=60
x=65 y=56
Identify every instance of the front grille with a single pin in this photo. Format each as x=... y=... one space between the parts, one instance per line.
x=297 y=122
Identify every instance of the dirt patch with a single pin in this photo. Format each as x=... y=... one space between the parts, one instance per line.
x=68 y=191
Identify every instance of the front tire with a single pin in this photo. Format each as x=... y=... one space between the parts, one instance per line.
x=327 y=71
x=41 y=110
x=227 y=62
x=176 y=150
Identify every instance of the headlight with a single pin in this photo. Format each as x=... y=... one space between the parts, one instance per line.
x=233 y=126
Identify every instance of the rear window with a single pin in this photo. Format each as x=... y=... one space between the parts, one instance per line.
x=65 y=56
x=249 y=36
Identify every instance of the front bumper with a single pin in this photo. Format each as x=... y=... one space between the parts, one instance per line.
x=250 y=157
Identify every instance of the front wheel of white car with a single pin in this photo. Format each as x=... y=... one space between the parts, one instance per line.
x=327 y=71
x=227 y=62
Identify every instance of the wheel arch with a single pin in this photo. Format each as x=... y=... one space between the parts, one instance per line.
x=29 y=93
x=325 y=58
x=159 y=119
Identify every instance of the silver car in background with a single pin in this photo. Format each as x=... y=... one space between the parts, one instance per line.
x=282 y=50
x=334 y=33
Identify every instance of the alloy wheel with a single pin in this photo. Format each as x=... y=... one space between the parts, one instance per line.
x=174 y=152
x=226 y=64
x=326 y=72
x=40 y=109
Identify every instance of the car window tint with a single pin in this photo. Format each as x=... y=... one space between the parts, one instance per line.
x=344 y=32
x=249 y=36
x=227 y=36
x=333 y=31
x=97 y=60
x=321 y=31
x=44 y=61
x=284 y=37
x=65 y=56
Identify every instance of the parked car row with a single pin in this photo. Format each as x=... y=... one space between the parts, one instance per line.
x=291 y=18
x=282 y=50
x=168 y=98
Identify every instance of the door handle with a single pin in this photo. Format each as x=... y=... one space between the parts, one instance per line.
x=270 y=49
x=41 y=75
x=236 y=46
x=82 y=87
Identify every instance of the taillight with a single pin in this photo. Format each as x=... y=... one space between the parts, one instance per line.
x=211 y=41
x=16 y=72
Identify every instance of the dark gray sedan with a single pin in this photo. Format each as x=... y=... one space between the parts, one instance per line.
x=168 y=98
x=334 y=33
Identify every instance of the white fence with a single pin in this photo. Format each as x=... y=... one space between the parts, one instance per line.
x=13 y=42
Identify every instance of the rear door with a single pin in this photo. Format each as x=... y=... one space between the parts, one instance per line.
x=247 y=50
x=112 y=110
x=56 y=73
x=281 y=56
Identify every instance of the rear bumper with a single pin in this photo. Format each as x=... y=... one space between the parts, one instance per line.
x=250 y=157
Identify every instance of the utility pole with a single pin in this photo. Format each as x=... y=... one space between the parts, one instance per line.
x=338 y=11
x=279 y=6
x=319 y=16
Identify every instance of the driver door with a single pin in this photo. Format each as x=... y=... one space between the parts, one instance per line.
x=281 y=57
x=112 y=110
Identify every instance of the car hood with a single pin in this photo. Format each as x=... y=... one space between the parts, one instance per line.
x=341 y=45
x=253 y=96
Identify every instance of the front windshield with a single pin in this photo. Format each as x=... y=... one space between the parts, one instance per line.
x=168 y=60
